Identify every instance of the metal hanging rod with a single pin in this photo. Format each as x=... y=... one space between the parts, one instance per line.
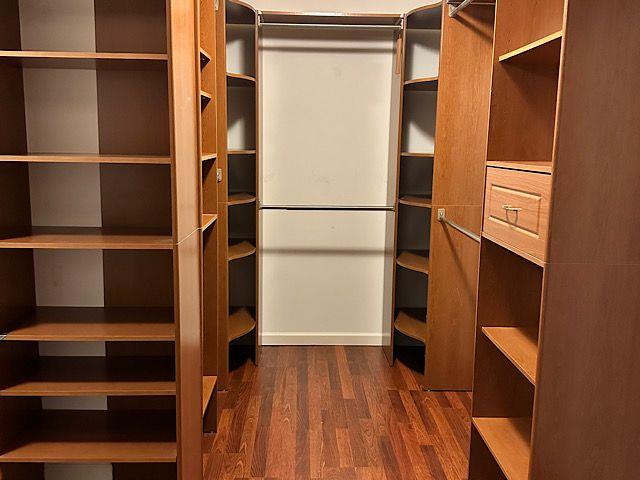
x=443 y=218
x=455 y=5
x=364 y=208
x=330 y=25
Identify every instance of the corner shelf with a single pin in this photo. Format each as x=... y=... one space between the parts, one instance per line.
x=416 y=201
x=208 y=220
x=208 y=156
x=508 y=440
x=427 y=84
x=408 y=323
x=546 y=48
x=240 y=80
x=87 y=158
x=87 y=376
x=89 y=324
x=241 y=322
x=241 y=250
x=241 y=198
x=205 y=57
x=205 y=98
x=86 y=238
x=208 y=390
x=416 y=261
x=113 y=437
x=519 y=345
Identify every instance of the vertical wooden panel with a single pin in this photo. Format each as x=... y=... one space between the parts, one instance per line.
x=188 y=282
x=210 y=300
x=223 y=296
x=184 y=99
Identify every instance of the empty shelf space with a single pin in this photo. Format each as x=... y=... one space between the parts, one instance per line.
x=205 y=57
x=415 y=201
x=428 y=84
x=241 y=322
x=413 y=324
x=546 y=48
x=428 y=17
x=95 y=324
x=53 y=59
x=509 y=441
x=241 y=152
x=208 y=390
x=96 y=437
x=525 y=166
x=240 y=13
x=241 y=198
x=85 y=376
x=87 y=158
x=416 y=261
x=240 y=80
x=205 y=98
x=417 y=154
x=209 y=156
x=321 y=18
x=208 y=219
x=241 y=250
x=519 y=345
x=86 y=238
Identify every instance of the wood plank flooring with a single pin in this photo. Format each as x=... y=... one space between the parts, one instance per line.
x=338 y=413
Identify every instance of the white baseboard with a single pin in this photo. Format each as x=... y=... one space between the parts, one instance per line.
x=324 y=338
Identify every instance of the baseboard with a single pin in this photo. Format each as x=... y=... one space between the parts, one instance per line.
x=337 y=338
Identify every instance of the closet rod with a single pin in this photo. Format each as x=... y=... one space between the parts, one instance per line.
x=443 y=218
x=330 y=25
x=365 y=208
x=456 y=6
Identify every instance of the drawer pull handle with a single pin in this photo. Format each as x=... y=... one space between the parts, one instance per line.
x=510 y=208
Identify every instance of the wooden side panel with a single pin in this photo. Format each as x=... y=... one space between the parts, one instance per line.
x=223 y=296
x=210 y=300
x=187 y=266
x=458 y=185
x=184 y=102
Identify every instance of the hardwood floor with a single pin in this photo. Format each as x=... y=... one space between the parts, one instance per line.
x=340 y=413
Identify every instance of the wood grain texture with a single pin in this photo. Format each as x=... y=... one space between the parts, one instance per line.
x=336 y=412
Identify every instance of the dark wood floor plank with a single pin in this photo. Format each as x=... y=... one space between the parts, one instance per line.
x=336 y=413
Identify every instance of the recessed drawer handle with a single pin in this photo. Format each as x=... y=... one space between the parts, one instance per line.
x=510 y=208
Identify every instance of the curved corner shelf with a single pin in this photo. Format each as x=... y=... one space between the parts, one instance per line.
x=241 y=198
x=240 y=80
x=241 y=322
x=241 y=250
x=427 y=17
x=414 y=261
x=208 y=219
x=426 y=84
x=240 y=13
x=408 y=322
x=419 y=201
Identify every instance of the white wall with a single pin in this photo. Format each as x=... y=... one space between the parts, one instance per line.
x=352 y=6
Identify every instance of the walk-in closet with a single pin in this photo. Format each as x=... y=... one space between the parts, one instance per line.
x=305 y=239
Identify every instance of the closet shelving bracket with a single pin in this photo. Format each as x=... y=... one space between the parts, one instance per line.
x=442 y=217
x=456 y=6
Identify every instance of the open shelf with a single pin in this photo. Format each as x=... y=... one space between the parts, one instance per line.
x=415 y=201
x=205 y=98
x=427 y=17
x=241 y=322
x=205 y=57
x=325 y=18
x=208 y=219
x=209 y=156
x=519 y=345
x=240 y=13
x=87 y=158
x=85 y=376
x=412 y=323
x=241 y=250
x=547 y=48
x=208 y=390
x=428 y=84
x=83 y=238
x=87 y=324
x=508 y=440
x=97 y=437
x=241 y=152
x=51 y=59
x=417 y=155
x=416 y=261
x=241 y=198
x=240 y=80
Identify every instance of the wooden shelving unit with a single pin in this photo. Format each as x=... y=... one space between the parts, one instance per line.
x=238 y=290
x=100 y=268
x=554 y=383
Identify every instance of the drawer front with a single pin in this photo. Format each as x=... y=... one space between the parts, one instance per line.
x=516 y=209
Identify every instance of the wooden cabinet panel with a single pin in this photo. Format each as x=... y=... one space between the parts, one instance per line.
x=517 y=209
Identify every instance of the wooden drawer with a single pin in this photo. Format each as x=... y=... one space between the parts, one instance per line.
x=516 y=209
